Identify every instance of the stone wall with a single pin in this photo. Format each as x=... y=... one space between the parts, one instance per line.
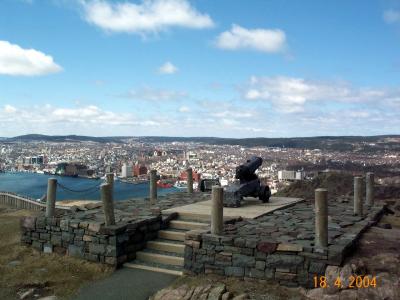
x=288 y=263
x=93 y=241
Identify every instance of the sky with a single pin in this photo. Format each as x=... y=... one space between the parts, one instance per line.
x=243 y=68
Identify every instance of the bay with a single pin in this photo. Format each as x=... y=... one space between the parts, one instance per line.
x=35 y=186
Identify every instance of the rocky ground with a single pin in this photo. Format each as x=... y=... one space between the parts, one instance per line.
x=28 y=274
x=376 y=256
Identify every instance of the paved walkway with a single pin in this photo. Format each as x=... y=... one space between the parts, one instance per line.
x=126 y=284
x=250 y=208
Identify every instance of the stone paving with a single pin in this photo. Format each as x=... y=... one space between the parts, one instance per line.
x=278 y=246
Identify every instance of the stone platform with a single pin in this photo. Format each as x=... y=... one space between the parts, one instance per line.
x=251 y=208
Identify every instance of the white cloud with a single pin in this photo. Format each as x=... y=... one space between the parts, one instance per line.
x=264 y=40
x=9 y=109
x=391 y=16
x=150 y=16
x=168 y=68
x=15 y=60
x=153 y=94
x=288 y=94
x=184 y=109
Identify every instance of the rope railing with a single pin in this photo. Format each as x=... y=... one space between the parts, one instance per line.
x=83 y=191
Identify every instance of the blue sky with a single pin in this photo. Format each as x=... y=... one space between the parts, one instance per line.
x=199 y=68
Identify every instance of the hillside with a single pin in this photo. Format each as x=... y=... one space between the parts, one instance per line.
x=338 y=184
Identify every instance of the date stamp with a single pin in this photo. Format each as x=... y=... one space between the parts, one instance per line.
x=353 y=282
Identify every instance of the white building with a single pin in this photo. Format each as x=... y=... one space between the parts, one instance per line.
x=126 y=170
x=285 y=175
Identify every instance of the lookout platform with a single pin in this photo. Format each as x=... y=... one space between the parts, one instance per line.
x=251 y=208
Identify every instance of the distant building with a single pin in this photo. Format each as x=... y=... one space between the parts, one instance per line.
x=139 y=170
x=196 y=176
x=126 y=170
x=285 y=175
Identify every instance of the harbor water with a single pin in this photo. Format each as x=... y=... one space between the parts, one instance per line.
x=35 y=186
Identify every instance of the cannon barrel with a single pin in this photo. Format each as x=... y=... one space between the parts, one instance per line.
x=247 y=170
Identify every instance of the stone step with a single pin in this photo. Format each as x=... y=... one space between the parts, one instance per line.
x=165 y=246
x=171 y=235
x=193 y=216
x=187 y=225
x=159 y=268
x=159 y=258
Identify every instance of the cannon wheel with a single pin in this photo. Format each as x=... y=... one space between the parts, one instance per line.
x=264 y=193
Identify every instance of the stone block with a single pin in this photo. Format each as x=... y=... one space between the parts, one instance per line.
x=247 y=251
x=95 y=226
x=254 y=273
x=28 y=223
x=56 y=239
x=74 y=224
x=41 y=223
x=317 y=268
x=44 y=236
x=289 y=247
x=239 y=260
x=260 y=255
x=66 y=236
x=204 y=259
x=226 y=240
x=284 y=261
x=266 y=247
x=231 y=249
x=113 y=229
x=260 y=265
x=251 y=243
x=83 y=225
x=111 y=250
x=285 y=276
x=75 y=251
x=188 y=254
x=47 y=248
x=110 y=260
x=239 y=242
x=234 y=271
x=269 y=273
x=97 y=248
x=211 y=239
x=59 y=250
x=91 y=257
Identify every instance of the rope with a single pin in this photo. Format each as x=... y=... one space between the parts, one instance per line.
x=84 y=191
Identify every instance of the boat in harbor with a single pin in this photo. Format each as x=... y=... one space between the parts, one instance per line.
x=164 y=185
x=182 y=184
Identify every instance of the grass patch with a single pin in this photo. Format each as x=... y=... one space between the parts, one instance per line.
x=23 y=268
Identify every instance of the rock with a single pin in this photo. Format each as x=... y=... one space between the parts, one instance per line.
x=331 y=274
x=348 y=295
x=226 y=296
x=384 y=225
x=216 y=292
x=241 y=297
x=27 y=294
x=266 y=247
x=14 y=263
x=315 y=294
x=48 y=298
x=358 y=267
x=344 y=275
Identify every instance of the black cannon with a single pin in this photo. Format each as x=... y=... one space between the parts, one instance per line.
x=249 y=184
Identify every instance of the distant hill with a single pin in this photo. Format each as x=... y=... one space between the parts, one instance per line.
x=62 y=138
x=339 y=143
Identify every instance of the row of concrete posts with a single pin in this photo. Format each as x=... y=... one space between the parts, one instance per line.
x=107 y=192
x=321 y=208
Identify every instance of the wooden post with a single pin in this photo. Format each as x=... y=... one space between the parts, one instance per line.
x=321 y=217
x=369 y=197
x=153 y=187
x=108 y=204
x=51 y=197
x=189 y=172
x=110 y=180
x=358 y=204
x=217 y=210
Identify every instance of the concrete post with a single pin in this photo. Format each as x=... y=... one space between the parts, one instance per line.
x=321 y=217
x=110 y=180
x=51 y=197
x=153 y=187
x=108 y=204
x=369 y=197
x=358 y=205
x=217 y=210
x=189 y=172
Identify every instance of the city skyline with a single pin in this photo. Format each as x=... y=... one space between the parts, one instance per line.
x=199 y=68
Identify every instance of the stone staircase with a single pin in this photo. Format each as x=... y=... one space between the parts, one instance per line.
x=166 y=253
